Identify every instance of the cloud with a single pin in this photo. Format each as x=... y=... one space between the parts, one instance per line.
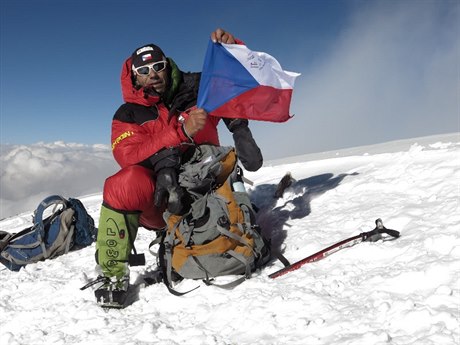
x=392 y=73
x=30 y=173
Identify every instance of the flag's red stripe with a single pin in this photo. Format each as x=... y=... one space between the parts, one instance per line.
x=263 y=103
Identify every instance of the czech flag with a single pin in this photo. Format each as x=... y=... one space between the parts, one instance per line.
x=239 y=83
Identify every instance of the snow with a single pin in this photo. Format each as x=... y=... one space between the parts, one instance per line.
x=403 y=291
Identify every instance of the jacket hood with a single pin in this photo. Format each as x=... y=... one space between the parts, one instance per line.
x=130 y=93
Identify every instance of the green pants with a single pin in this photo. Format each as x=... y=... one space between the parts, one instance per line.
x=115 y=237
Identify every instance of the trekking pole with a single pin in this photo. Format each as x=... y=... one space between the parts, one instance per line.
x=370 y=236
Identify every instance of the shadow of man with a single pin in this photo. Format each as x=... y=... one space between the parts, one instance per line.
x=273 y=219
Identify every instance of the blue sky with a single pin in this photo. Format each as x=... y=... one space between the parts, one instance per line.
x=372 y=71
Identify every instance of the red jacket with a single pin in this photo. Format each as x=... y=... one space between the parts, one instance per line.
x=142 y=126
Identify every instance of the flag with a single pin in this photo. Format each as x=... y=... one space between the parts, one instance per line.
x=239 y=83
x=146 y=57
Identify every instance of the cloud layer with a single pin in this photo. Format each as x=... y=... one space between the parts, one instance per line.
x=30 y=173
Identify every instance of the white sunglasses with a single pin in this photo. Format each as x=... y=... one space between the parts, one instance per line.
x=156 y=67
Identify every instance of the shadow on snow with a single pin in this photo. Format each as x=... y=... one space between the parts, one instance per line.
x=273 y=219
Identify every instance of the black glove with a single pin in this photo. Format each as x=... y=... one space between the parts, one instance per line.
x=246 y=148
x=168 y=191
x=165 y=158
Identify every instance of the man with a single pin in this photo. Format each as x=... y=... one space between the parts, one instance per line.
x=158 y=121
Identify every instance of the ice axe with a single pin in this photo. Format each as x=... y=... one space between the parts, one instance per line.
x=369 y=236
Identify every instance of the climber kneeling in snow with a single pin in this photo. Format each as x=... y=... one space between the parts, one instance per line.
x=150 y=131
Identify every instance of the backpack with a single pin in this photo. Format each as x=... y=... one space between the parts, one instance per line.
x=69 y=226
x=217 y=236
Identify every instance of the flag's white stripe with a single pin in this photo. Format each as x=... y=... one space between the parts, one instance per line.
x=263 y=67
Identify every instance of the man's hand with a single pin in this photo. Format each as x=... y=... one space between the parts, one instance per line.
x=220 y=36
x=195 y=121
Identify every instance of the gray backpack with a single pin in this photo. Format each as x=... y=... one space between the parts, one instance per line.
x=218 y=235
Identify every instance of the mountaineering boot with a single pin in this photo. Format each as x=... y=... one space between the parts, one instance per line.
x=116 y=234
x=113 y=292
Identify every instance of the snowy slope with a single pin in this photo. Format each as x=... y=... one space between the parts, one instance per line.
x=405 y=291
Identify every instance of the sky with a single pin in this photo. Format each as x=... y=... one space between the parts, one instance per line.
x=372 y=71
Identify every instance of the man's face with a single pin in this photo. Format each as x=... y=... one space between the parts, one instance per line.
x=153 y=75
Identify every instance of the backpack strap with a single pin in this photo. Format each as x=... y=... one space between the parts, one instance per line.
x=234 y=283
x=168 y=245
x=9 y=239
x=68 y=225
x=38 y=226
x=165 y=254
x=38 y=217
x=85 y=230
x=5 y=238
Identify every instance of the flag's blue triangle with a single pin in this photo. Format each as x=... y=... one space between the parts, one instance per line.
x=222 y=78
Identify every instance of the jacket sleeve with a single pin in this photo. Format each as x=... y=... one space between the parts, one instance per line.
x=133 y=143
